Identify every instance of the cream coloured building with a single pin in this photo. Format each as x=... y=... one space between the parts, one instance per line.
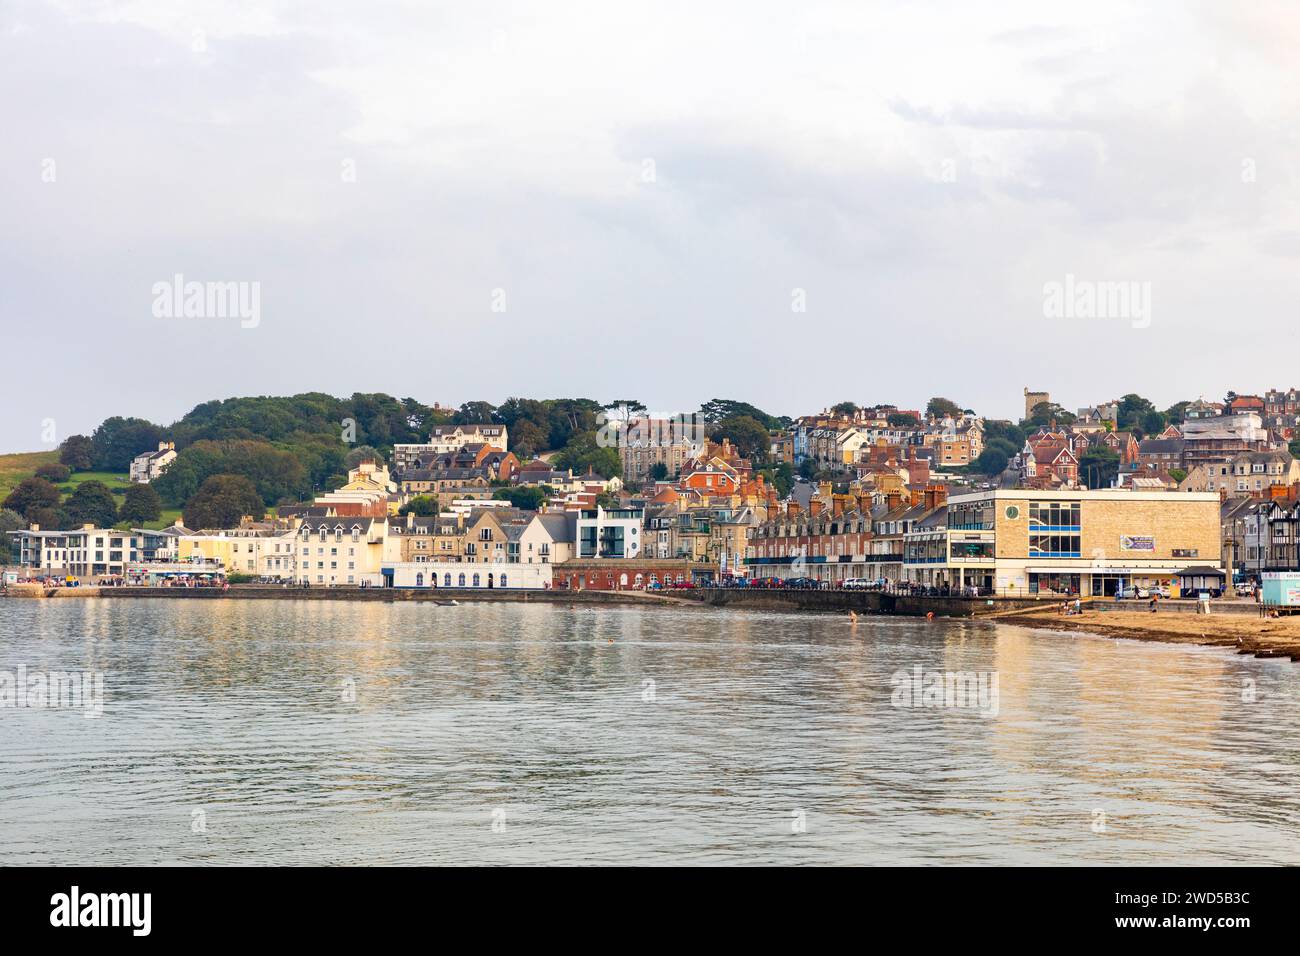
x=1088 y=542
x=261 y=552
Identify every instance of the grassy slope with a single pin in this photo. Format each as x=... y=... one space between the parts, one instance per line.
x=14 y=468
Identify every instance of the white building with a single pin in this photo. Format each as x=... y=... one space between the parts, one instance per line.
x=446 y=440
x=549 y=538
x=149 y=465
x=88 y=552
x=445 y=574
x=608 y=534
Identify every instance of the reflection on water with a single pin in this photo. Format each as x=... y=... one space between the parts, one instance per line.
x=330 y=732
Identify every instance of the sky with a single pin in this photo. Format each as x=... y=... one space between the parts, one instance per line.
x=791 y=204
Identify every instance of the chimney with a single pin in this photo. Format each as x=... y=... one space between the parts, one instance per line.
x=837 y=505
x=792 y=509
x=824 y=489
x=893 y=500
x=864 y=504
x=936 y=495
x=815 y=507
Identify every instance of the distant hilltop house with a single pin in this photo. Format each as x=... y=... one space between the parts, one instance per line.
x=149 y=465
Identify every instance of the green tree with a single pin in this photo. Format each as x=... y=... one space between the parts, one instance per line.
x=659 y=471
x=1153 y=423
x=49 y=518
x=748 y=435
x=1044 y=413
x=77 y=452
x=584 y=454
x=942 y=408
x=32 y=494
x=1098 y=467
x=902 y=419
x=720 y=409
x=1176 y=413
x=845 y=409
x=56 y=474
x=91 y=503
x=1009 y=432
x=529 y=498
x=276 y=473
x=780 y=477
x=221 y=501
x=475 y=413
x=995 y=456
x=422 y=506
x=1133 y=409
x=10 y=520
x=527 y=438
x=117 y=440
x=140 y=505
x=362 y=453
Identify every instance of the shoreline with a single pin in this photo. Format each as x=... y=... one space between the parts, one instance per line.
x=1231 y=627
x=1246 y=634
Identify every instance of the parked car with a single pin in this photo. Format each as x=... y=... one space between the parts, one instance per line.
x=1244 y=588
x=1131 y=593
x=856 y=584
x=1163 y=591
x=801 y=582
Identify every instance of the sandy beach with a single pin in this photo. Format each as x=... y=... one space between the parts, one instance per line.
x=1248 y=634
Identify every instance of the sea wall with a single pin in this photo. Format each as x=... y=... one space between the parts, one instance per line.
x=273 y=593
x=869 y=602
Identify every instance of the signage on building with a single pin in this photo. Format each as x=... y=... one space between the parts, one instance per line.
x=1137 y=542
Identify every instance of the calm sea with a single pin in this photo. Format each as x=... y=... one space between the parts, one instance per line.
x=245 y=732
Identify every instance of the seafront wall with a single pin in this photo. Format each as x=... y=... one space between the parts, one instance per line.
x=272 y=593
x=868 y=602
x=865 y=602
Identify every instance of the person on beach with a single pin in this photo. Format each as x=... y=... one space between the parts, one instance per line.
x=1155 y=600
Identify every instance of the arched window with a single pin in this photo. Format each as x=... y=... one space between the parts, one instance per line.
x=503 y=580
x=419 y=579
x=476 y=580
x=446 y=580
x=462 y=580
x=639 y=579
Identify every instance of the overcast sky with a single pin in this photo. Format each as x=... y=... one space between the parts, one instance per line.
x=654 y=188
